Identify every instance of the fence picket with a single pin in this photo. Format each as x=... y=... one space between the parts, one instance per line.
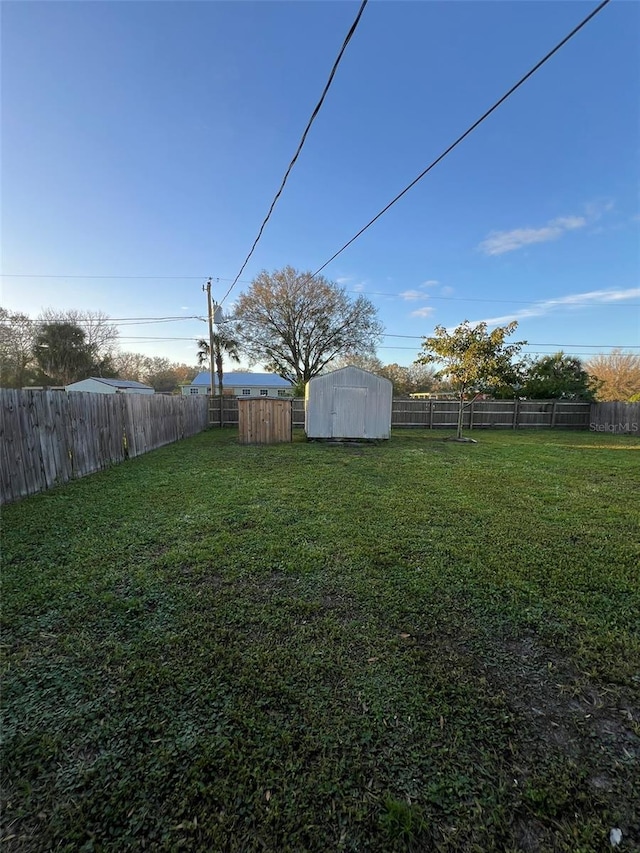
x=50 y=437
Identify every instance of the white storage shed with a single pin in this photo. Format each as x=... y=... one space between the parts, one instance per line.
x=348 y=403
x=98 y=385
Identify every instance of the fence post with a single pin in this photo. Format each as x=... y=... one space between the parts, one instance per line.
x=471 y=415
x=554 y=409
x=431 y=414
x=516 y=409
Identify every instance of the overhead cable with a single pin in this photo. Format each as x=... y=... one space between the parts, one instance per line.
x=300 y=144
x=463 y=136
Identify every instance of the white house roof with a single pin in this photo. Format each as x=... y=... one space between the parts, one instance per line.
x=119 y=383
x=262 y=380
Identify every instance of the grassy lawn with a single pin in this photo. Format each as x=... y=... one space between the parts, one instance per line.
x=413 y=646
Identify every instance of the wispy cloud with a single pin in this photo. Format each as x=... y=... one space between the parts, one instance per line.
x=499 y=242
x=344 y=279
x=359 y=287
x=446 y=290
x=411 y=295
x=596 y=209
x=427 y=311
x=184 y=307
x=432 y=282
x=574 y=300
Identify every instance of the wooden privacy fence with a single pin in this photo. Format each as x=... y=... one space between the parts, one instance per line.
x=443 y=414
x=50 y=437
x=617 y=418
x=491 y=414
x=230 y=415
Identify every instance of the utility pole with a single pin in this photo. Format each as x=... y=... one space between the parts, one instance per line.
x=207 y=288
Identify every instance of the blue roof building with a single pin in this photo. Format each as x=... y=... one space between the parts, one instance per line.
x=242 y=384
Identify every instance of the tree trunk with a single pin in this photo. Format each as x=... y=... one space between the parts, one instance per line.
x=460 y=416
x=220 y=377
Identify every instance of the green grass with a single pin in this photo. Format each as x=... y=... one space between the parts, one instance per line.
x=410 y=646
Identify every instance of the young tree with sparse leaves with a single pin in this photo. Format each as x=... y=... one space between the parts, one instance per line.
x=471 y=358
x=298 y=325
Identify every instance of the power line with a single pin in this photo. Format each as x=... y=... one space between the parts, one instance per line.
x=429 y=296
x=529 y=352
x=469 y=130
x=536 y=344
x=152 y=338
x=118 y=320
x=300 y=144
x=123 y=277
x=400 y=346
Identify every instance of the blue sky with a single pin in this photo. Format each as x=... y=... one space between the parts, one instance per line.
x=147 y=140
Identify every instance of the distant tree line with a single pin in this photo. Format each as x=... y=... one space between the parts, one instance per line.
x=614 y=376
x=299 y=327
x=61 y=347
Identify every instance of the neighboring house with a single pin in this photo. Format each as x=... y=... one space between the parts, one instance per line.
x=237 y=384
x=97 y=385
x=348 y=403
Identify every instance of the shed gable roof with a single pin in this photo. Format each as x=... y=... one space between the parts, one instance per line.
x=352 y=371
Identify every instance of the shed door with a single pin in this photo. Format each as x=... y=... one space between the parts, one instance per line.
x=348 y=416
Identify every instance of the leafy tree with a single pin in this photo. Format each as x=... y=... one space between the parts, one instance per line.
x=409 y=380
x=558 y=376
x=298 y=325
x=616 y=375
x=163 y=375
x=224 y=344
x=166 y=376
x=63 y=354
x=131 y=365
x=422 y=377
x=100 y=334
x=365 y=362
x=399 y=375
x=17 y=333
x=472 y=359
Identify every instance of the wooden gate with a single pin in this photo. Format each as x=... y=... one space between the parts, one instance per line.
x=264 y=420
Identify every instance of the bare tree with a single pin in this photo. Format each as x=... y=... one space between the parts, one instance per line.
x=365 y=362
x=17 y=334
x=298 y=325
x=130 y=365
